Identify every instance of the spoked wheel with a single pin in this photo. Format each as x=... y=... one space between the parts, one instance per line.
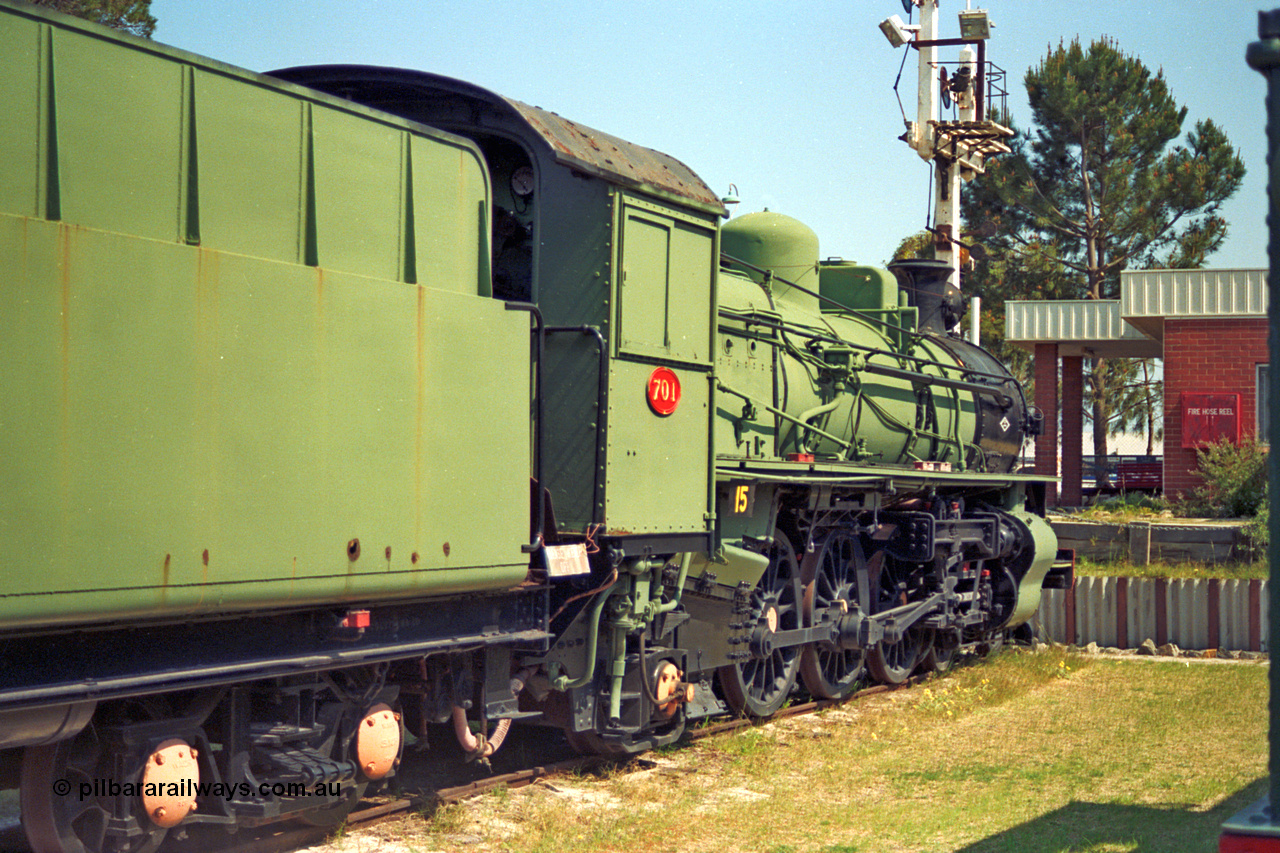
x=938 y=656
x=831 y=576
x=759 y=686
x=892 y=663
x=992 y=643
x=57 y=819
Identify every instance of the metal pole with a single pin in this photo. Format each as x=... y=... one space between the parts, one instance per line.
x=927 y=84
x=949 y=180
x=1264 y=56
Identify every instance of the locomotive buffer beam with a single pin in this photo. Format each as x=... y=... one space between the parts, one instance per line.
x=919 y=536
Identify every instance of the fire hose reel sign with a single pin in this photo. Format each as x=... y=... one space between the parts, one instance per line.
x=1207 y=418
x=663 y=391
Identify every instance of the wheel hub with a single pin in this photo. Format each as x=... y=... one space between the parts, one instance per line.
x=668 y=690
x=169 y=783
x=378 y=742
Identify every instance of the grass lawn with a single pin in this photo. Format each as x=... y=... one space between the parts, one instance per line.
x=1123 y=568
x=1027 y=752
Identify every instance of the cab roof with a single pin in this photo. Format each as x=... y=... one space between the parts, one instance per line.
x=460 y=107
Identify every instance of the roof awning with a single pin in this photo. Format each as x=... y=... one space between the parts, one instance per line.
x=1089 y=327
x=1133 y=325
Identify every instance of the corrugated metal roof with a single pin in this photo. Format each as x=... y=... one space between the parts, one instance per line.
x=1149 y=297
x=1077 y=325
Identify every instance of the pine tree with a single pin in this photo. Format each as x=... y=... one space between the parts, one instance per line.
x=130 y=16
x=1098 y=186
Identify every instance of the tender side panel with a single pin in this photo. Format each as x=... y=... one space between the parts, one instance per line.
x=280 y=178
x=153 y=142
x=251 y=181
x=169 y=402
x=20 y=160
x=118 y=148
x=450 y=193
x=194 y=428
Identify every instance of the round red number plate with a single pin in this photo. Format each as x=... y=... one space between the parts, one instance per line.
x=664 y=391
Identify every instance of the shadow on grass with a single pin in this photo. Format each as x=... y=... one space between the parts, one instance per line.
x=1083 y=827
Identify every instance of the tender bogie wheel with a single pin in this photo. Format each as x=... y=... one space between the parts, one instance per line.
x=67 y=822
x=831 y=579
x=758 y=687
x=378 y=743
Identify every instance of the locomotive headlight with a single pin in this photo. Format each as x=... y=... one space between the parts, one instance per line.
x=522 y=182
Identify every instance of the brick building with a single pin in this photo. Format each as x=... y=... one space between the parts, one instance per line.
x=1209 y=326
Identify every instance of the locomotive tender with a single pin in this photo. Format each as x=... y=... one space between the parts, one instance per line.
x=348 y=400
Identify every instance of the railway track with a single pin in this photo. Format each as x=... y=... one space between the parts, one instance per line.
x=288 y=838
x=369 y=815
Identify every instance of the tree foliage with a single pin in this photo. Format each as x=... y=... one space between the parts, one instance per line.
x=130 y=16
x=1235 y=479
x=1099 y=185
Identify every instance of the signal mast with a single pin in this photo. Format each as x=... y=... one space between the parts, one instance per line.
x=958 y=147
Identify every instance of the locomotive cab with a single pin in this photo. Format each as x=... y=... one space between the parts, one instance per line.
x=617 y=247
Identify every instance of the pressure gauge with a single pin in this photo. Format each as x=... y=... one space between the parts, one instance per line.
x=522 y=182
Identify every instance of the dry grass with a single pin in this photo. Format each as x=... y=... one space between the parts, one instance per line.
x=1028 y=752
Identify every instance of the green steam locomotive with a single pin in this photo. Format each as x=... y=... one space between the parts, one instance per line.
x=346 y=401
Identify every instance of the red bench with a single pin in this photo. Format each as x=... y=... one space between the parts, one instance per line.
x=1144 y=476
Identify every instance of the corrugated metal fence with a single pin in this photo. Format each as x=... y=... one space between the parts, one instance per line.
x=1190 y=613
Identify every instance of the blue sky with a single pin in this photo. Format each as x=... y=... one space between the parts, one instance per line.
x=791 y=102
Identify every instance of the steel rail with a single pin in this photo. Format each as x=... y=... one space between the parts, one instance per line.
x=271 y=839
